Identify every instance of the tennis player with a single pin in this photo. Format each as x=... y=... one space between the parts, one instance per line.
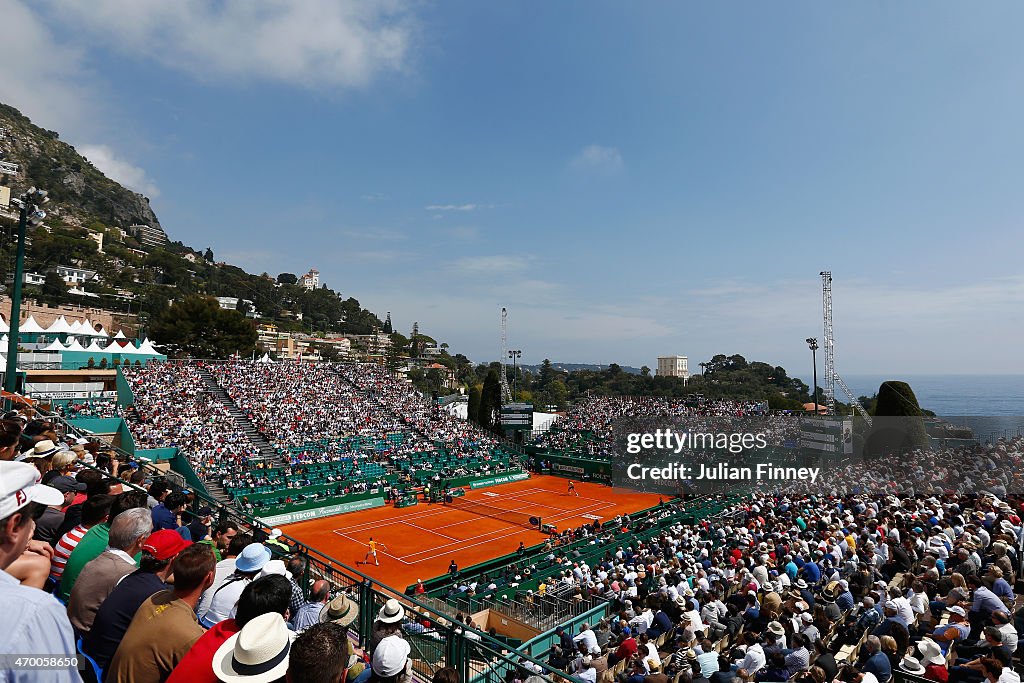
x=572 y=489
x=371 y=551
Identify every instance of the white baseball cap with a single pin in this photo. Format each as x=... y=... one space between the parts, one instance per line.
x=19 y=487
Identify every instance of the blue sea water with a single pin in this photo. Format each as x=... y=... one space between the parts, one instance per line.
x=954 y=394
x=993 y=404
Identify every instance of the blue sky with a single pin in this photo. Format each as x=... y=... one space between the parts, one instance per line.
x=629 y=179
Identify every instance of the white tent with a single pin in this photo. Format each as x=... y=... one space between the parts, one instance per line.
x=55 y=345
x=100 y=332
x=74 y=346
x=113 y=347
x=4 y=327
x=4 y=339
x=120 y=335
x=147 y=347
x=59 y=326
x=30 y=326
x=88 y=328
x=94 y=347
x=130 y=350
x=76 y=327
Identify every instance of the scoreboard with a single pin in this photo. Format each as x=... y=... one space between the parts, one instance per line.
x=517 y=416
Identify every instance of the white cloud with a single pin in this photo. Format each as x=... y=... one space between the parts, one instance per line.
x=43 y=78
x=597 y=158
x=452 y=207
x=116 y=168
x=313 y=43
x=383 y=234
x=476 y=265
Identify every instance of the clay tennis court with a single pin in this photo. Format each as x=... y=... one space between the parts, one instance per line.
x=422 y=540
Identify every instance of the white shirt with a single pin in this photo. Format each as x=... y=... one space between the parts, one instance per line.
x=753 y=660
x=589 y=640
x=222 y=570
x=1009 y=637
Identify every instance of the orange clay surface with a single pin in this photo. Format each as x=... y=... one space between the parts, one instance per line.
x=418 y=542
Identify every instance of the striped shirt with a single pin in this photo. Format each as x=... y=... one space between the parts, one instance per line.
x=62 y=551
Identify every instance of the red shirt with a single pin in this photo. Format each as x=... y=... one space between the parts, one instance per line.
x=936 y=672
x=627 y=649
x=197 y=665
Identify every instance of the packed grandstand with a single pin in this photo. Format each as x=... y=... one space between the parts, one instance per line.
x=903 y=571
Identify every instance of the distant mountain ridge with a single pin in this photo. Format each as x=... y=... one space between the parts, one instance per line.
x=79 y=192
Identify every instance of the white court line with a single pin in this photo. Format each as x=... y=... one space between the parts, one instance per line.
x=432 y=531
x=507 y=534
x=464 y=543
x=561 y=514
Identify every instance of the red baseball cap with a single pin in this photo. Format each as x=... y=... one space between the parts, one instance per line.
x=165 y=544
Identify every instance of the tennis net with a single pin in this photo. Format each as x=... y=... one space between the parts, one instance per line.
x=485 y=510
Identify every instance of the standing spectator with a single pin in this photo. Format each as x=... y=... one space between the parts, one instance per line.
x=165 y=626
x=34 y=623
x=116 y=612
x=98 y=578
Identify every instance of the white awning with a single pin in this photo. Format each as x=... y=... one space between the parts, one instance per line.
x=120 y=335
x=59 y=326
x=30 y=326
x=74 y=346
x=55 y=345
x=76 y=327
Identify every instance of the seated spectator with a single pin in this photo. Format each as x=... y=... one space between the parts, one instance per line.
x=225 y=594
x=165 y=626
x=258 y=653
x=265 y=595
x=95 y=510
x=116 y=612
x=309 y=613
x=322 y=653
x=95 y=540
x=34 y=623
x=933 y=661
x=99 y=577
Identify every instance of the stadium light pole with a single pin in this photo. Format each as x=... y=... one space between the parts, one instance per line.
x=30 y=213
x=812 y=344
x=515 y=356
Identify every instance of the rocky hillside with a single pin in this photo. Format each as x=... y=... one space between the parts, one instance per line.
x=79 y=193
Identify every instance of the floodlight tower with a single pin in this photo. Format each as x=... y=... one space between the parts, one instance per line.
x=506 y=393
x=829 y=342
x=832 y=377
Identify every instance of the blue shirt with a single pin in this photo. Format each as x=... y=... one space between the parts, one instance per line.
x=878 y=664
x=34 y=623
x=164 y=518
x=308 y=615
x=986 y=602
x=115 y=614
x=812 y=573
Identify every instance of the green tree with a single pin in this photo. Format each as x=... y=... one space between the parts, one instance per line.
x=55 y=291
x=287 y=278
x=197 y=327
x=490 y=401
x=473 y=409
x=899 y=421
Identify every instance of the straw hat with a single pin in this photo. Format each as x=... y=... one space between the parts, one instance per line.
x=392 y=612
x=340 y=610
x=256 y=654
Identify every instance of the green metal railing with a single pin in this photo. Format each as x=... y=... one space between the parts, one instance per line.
x=478 y=657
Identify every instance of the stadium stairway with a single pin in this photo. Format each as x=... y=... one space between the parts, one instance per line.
x=242 y=421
